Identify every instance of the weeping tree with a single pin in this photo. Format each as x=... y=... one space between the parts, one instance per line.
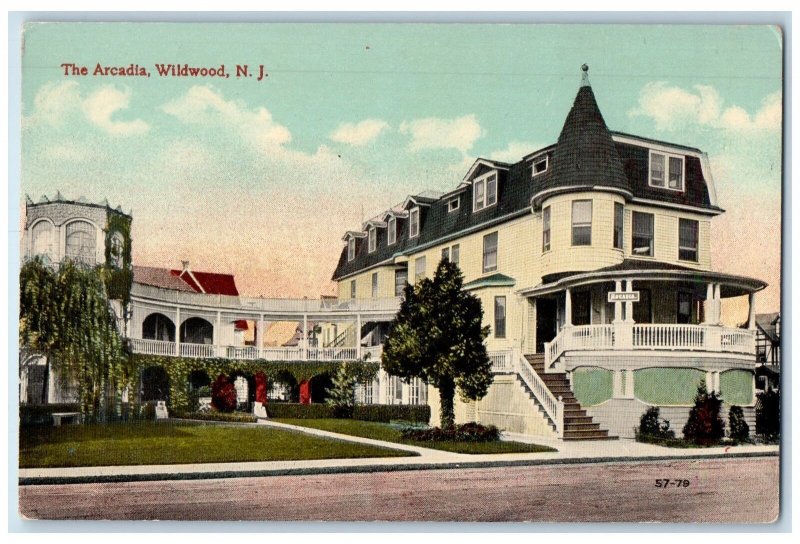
x=437 y=336
x=66 y=317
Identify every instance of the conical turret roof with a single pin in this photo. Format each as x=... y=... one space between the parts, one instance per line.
x=585 y=154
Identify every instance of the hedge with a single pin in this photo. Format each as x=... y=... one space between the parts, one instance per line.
x=384 y=413
x=295 y=410
x=233 y=417
x=41 y=414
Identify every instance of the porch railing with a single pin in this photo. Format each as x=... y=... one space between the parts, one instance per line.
x=502 y=361
x=649 y=336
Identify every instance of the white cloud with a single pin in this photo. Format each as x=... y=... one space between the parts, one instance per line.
x=673 y=107
x=55 y=103
x=101 y=105
x=514 y=151
x=68 y=152
x=359 y=134
x=203 y=105
x=435 y=133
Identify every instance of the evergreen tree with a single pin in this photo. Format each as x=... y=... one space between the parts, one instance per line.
x=437 y=336
x=705 y=426
x=341 y=395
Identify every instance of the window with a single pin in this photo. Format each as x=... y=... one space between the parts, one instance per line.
x=413 y=223
x=546 y=229
x=484 y=192
x=419 y=268
x=446 y=254
x=81 y=242
x=687 y=239
x=418 y=392
x=391 y=236
x=374 y=285
x=454 y=253
x=43 y=238
x=400 y=280
x=643 y=310
x=351 y=249
x=684 y=308
x=619 y=224
x=499 y=317
x=642 y=240
x=372 y=240
x=581 y=222
x=490 y=252
x=666 y=171
x=453 y=204
x=539 y=165
x=352 y=288
x=115 y=250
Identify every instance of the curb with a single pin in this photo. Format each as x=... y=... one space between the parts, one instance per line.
x=178 y=476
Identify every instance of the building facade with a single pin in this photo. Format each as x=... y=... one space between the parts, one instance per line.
x=592 y=260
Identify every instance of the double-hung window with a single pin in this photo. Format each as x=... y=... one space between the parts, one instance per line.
x=419 y=268
x=351 y=248
x=484 y=192
x=581 y=222
x=666 y=171
x=642 y=240
x=374 y=285
x=391 y=231
x=454 y=253
x=619 y=225
x=687 y=239
x=352 y=288
x=499 y=317
x=446 y=254
x=413 y=223
x=373 y=239
x=490 y=252
x=546 y=229
x=400 y=280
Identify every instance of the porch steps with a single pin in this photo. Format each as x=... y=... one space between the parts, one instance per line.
x=578 y=425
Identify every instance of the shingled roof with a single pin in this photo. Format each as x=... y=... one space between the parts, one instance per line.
x=585 y=154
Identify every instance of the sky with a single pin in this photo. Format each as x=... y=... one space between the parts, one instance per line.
x=262 y=178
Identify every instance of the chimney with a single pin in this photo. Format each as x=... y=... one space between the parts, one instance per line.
x=185 y=265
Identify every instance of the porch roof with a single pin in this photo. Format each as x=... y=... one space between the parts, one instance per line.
x=636 y=269
x=495 y=280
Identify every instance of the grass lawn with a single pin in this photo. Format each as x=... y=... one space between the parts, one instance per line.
x=170 y=442
x=391 y=433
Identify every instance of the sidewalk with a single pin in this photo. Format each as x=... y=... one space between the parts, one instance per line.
x=568 y=453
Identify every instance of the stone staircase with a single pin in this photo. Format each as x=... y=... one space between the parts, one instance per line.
x=578 y=425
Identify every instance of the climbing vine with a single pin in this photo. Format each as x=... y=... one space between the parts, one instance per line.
x=65 y=316
x=118 y=279
x=178 y=370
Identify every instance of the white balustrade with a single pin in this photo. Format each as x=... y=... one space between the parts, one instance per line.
x=197 y=350
x=553 y=407
x=502 y=361
x=152 y=347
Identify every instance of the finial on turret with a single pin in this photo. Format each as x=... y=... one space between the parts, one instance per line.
x=585 y=77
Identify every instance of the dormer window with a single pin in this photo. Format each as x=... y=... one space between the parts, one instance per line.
x=484 y=191
x=372 y=240
x=453 y=204
x=413 y=223
x=351 y=249
x=666 y=171
x=539 y=164
x=391 y=236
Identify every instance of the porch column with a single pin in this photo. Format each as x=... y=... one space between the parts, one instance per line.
x=629 y=384
x=567 y=308
x=717 y=305
x=618 y=384
x=629 y=304
x=178 y=331
x=217 y=327
x=304 y=340
x=260 y=333
x=709 y=308
x=358 y=336
x=618 y=304
x=751 y=317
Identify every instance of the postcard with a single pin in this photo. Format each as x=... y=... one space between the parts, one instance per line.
x=400 y=272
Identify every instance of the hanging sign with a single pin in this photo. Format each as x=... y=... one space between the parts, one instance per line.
x=623 y=296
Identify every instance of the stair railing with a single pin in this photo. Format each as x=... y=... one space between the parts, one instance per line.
x=553 y=407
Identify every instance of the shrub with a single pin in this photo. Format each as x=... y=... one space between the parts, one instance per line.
x=384 y=413
x=705 y=426
x=223 y=394
x=235 y=417
x=294 y=410
x=148 y=412
x=41 y=414
x=739 y=430
x=768 y=415
x=468 y=432
x=204 y=391
x=650 y=426
x=341 y=394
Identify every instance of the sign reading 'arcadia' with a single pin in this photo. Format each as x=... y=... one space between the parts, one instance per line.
x=623 y=296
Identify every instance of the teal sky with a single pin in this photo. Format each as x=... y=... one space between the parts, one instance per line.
x=262 y=178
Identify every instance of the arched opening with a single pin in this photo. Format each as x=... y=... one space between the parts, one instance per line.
x=82 y=242
x=155 y=384
x=319 y=387
x=197 y=330
x=158 y=327
x=198 y=379
x=43 y=240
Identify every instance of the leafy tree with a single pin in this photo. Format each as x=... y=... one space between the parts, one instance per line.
x=705 y=426
x=768 y=414
x=738 y=427
x=66 y=317
x=437 y=336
